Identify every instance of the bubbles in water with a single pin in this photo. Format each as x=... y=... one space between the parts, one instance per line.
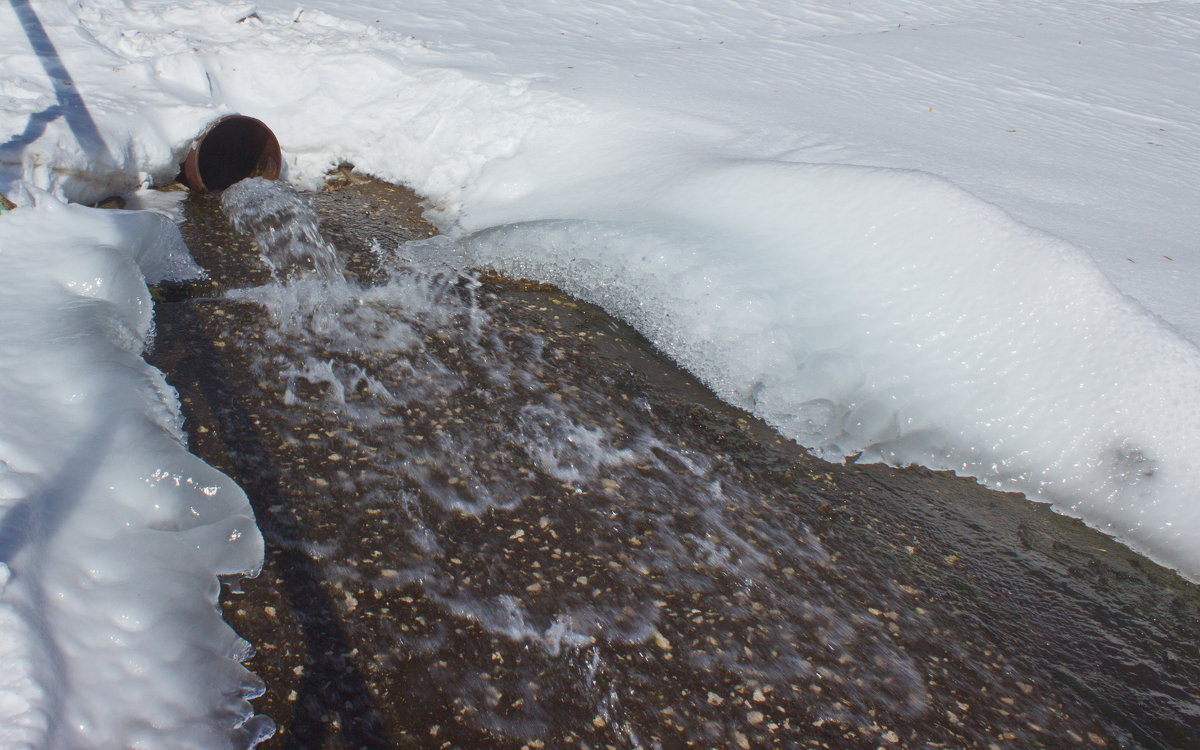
x=284 y=226
x=541 y=545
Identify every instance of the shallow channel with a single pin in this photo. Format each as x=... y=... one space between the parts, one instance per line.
x=496 y=518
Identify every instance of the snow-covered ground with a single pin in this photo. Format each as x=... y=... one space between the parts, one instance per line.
x=962 y=234
x=112 y=534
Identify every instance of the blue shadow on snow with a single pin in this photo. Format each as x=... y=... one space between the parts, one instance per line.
x=69 y=105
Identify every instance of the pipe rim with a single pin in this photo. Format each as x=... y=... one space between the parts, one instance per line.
x=264 y=159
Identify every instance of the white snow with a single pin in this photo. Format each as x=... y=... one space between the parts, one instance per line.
x=961 y=233
x=112 y=533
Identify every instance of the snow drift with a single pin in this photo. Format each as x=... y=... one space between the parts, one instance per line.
x=112 y=534
x=888 y=315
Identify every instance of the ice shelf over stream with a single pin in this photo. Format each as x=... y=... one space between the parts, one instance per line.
x=112 y=534
x=890 y=316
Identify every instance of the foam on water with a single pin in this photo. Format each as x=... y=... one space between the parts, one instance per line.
x=361 y=369
x=284 y=227
x=890 y=315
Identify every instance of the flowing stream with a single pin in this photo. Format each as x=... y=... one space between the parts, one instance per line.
x=492 y=525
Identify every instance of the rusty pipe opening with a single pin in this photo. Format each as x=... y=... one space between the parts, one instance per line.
x=230 y=150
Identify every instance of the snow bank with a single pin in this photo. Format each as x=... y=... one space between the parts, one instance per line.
x=112 y=534
x=889 y=314
x=153 y=76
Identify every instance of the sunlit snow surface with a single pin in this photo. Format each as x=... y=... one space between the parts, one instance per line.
x=890 y=314
x=112 y=533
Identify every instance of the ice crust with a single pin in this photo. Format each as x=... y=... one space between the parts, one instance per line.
x=112 y=534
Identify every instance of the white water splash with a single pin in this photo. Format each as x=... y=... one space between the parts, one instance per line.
x=284 y=226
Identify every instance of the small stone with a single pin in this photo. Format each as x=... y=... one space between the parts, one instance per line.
x=755 y=717
x=715 y=700
x=661 y=641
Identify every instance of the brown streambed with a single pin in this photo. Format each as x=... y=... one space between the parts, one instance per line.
x=548 y=536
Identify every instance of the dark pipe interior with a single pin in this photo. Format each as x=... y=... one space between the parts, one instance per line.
x=237 y=148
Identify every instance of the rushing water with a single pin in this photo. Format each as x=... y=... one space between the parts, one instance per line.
x=285 y=229
x=488 y=531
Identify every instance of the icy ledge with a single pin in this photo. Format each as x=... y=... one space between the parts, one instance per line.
x=111 y=534
x=888 y=313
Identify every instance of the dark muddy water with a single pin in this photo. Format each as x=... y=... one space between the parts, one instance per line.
x=496 y=518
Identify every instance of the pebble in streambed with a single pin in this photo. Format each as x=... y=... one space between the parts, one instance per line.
x=487 y=528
